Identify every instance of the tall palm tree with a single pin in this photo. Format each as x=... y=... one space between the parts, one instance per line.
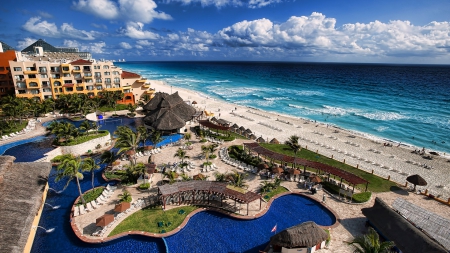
x=86 y=126
x=187 y=137
x=127 y=139
x=156 y=137
x=220 y=177
x=370 y=243
x=90 y=165
x=137 y=169
x=171 y=175
x=237 y=179
x=207 y=150
x=108 y=157
x=293 y=144
x=71 y=168
x=181 y=154
x=144 y=134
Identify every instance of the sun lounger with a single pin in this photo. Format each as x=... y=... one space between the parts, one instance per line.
x=82 y=210
x=105 y=195
x=94 y=204
x=76 y=211
x=110 y=187
x=89 y=207
x=101 y=200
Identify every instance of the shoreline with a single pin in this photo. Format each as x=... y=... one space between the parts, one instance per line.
x=356 y=148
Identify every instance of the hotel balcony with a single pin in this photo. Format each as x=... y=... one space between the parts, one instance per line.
x=142 y=80
x=150 y=91
x=29 y=95
x=30 y=72
x=76 y=70
x=33 y=83
x=65 y=68
x=147 y=85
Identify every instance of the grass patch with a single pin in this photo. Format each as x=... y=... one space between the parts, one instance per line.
x=91 y=195
x=154 y=220
x=119 y=107
x=376 y=183
x=362 y=197
x=278 y=190
x=238 y=189
x=85 y=138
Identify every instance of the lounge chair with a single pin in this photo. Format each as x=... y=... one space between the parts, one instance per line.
x=110 y=187
x=105 y=195
x=76 y=211
x=89 y=207
x=94 y=204
x=82 y=210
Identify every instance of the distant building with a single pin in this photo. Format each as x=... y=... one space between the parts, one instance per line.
x=42 y=71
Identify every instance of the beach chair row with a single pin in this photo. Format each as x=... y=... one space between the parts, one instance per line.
x=259 y=114
x=270 y=126
x=213 y=140
x=90 y=206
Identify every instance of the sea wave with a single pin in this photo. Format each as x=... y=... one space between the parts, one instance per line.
x=382 y=116
x=381 y=128
x=276 y=98
x=222 y=81
x=337 y=111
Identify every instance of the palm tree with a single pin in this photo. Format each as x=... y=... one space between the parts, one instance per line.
x=86 y=126
x=220 y=177
x=181 y=154
x=266 y=186
x=144 y=134
x=127 y=139
x=171 y=175
x=71 y=168
x=208 y=150
x=187 y=137
x=370 y=243
x=90 y=165
x=185 y=177
x=108 y=157
x=137 y=170
x=293 y=144
x=64 y=130
x=156 y=137
x=237 y=179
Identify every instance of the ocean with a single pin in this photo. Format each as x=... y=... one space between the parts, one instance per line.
x=402 y=103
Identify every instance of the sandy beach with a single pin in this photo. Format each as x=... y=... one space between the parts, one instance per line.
x=396 y=161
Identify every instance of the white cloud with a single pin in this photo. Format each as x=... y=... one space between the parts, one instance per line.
x=45 y=14
x=100 y=26
x=253 y=4
x=71 y=43
x=22 y=44
x=128 y=10
x=261 y=3
x=95 y=48
x=136 y=30
x=44 y=28
x=125 y=45
x=144 y=43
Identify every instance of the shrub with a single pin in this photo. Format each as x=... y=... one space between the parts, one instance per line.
x=91 y=195
x=60 y=158
x=203 y=140
x=362 y=197
x=207 y=163
x=212 y=156
x=144 y=186
x=98 y=146
x=85 y=138
x=125 y=197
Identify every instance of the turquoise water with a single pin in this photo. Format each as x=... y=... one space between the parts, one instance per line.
x=403 y=103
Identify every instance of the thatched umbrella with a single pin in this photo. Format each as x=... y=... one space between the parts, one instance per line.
x=294 y=172
x=194 y=102
x=122 y=207
x=274 y=141
x=130 y=152
x=263 y=166
x=307 y=234
x=416 y=180
x=242 y=129
x=315 y=179
x=235 y=126
x=150 y=168
x=277 y=170
x=261 y=140
x=104 y=220
x=248 y=131
x=252 y=137
x=199 y=176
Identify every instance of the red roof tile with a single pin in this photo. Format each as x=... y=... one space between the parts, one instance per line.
x=126 y=74
x=81 y=62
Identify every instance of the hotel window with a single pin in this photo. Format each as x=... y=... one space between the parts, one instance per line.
x=96 y=67
x=77 y=75
x=21 y=91
x=116 y=73
x=79 y=88
x=98 y=80
x=69 y=89
x=79 y=81
x=88 y=80
x=105 y=67
x=31 y=69
x=88 y=74
x=67 y=81
x=66 y=75
x=19 y=77
x=97 y=74
x=87 y=68
x=57 y=76
x=116 y=80
x=33 y=84
x=65 y=68
x=44 y=76
x=42 y=69
x=32 y=76
x=107 y=73
x=47 y=90
x=76 y=67
x=45 y=83
x=17 y=69
x=99 y=87
x=57 y=83
x=107 y=80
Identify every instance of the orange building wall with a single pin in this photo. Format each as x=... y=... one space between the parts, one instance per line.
x=6 y=83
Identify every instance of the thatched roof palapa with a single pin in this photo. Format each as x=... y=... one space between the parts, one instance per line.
x=307 y=234
x=394 y=227
x=167 y=112
x=235 y=126
x=261 y=140
x=274 y=141
x=252 y=137
x=21 y=190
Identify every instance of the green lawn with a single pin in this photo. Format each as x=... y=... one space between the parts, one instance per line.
x=91 y=195
x=119 y=107
x=154 y=220
x=376 y=184
x=84 y=138
x=278 y=190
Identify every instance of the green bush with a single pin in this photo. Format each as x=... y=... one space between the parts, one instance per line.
x=125 y=197
x=91 y=195
x=119 y=107
x=362 y=197
x=144 y=186
x=212 y=156
x=60 y=158
x=85 y=138
x=207 y=163
x=203 y=140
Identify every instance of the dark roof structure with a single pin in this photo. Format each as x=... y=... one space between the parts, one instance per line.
x=208 y=186
x=394 y=227
x=307 y=234
x=40 y=43
x=6 y=47
x=81 y=62
x=347 y=176
x=127 y=75
x=21 y=190
x=209 y=124
x=167 y=112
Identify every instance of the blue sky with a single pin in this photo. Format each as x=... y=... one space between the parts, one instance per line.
x=257 y=30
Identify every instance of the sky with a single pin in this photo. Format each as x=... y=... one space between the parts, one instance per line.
x=368 y=31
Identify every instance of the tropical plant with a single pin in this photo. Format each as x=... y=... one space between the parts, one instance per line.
x=108 y=157
x=266 y=186
x=90 y=165
x=220 y=177
x=131 y=108
x=370 y=243
x=127 y=139
x=86 y=125
x=71 y=168
x=237 y=179
x=181 y=154
x=293 y=144
x=144 y=134
x=63 y=130
x=185 y=177
x=208 y=149
x=171 y=175
x=125 y=196
x=156 y=137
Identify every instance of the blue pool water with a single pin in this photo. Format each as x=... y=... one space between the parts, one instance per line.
x=215 y=232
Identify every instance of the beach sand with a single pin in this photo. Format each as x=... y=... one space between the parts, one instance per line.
x=396 y=162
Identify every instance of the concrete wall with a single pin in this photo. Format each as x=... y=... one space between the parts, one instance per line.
x=84 y=147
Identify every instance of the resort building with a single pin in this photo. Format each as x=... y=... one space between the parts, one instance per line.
x=42 y=71
x=7 y=54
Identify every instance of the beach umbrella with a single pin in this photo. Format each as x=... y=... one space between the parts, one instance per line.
x=277 y=170
x=263 y=166
x=294 y=172
x=235 y=126
x=242 y=129
x=122 y=207
x=274 y=141
x=315 y=179
x=261 y=140
x=194 y=102
x=248 y=131
x=416 y=180
x=252 y=137
x=104 y=220
x=199 y=176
